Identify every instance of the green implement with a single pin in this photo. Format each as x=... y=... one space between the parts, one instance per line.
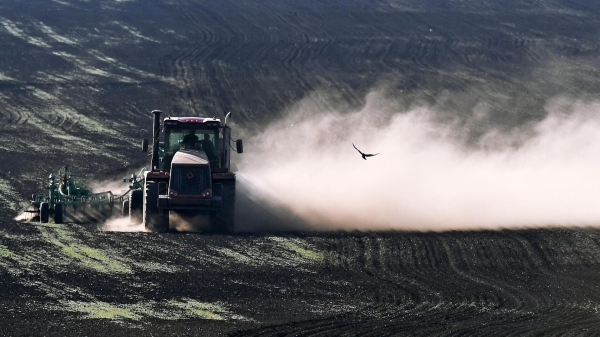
x=68 y=199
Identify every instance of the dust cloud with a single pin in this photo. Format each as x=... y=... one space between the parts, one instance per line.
x=24 y=216
x=122 y=224
x=429 y=174
x=115 y=184
x=192 y=222
x=116 y=188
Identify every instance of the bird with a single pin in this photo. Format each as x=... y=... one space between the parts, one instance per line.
x=364 y=155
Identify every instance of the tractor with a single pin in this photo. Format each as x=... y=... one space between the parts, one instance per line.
x=190 y=185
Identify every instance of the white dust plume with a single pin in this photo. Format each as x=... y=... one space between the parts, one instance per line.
x=426 y=178
x=116 y=184
x=24 y=216
x=118 y=188
x=122 y=224
x=193 y=222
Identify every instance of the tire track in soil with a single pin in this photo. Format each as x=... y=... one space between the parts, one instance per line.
x=477 y=283
x=249 y=55
x=550 y=268
x=220 y=80
x=192 y=67
x=13 y=116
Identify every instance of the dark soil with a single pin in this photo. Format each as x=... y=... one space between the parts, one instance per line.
x=78 y=280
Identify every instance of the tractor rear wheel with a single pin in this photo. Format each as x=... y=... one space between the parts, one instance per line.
x=135 y=206
x=44 y=212
x=223 y=221
x=58 y=213
x=155 y=219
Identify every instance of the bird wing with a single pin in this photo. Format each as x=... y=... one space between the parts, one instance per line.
x=357 y=149
x=371 y=155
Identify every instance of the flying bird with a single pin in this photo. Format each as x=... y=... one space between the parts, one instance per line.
x=364 y=155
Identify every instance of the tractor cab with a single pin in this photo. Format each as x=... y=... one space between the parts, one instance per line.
x=207 y=136
x=196 y=134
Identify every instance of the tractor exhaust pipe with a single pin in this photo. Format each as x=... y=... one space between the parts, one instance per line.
x=155 y=137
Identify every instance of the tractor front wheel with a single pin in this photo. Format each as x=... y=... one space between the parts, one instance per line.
x=155 y=220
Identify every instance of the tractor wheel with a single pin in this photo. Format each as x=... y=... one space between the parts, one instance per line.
x=44 y=212
x=155 y=219
x=125 y=209
x=224 y=220
x=135 y=206
x=58 y=213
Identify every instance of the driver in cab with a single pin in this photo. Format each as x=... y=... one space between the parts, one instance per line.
x=207 y=146
x=189 y=141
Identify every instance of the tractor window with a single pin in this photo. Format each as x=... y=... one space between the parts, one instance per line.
x=193 y=139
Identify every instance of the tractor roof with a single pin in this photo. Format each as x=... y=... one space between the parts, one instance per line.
x=200 y=120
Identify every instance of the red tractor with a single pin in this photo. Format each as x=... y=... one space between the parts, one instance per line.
x=190 y=185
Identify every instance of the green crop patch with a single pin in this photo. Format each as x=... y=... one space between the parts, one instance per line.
x=168 y=310
x=101 y=310
x=87 y=256
x=5 y=252
x=203 y=310
x=236 y=256
x=295 y=246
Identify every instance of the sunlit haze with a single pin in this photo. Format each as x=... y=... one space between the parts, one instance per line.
x=428 y=175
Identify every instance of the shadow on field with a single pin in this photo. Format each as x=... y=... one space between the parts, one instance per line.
x=255 y=214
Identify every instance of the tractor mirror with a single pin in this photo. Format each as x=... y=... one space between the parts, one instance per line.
x=145 y=145
x=239 y=146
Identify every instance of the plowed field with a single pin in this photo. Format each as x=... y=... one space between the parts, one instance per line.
x=337 y=247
